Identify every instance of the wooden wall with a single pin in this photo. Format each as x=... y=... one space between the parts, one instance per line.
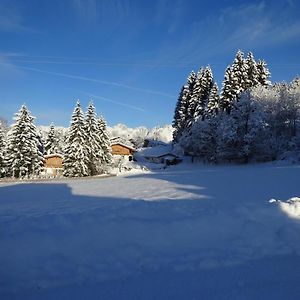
x=120 y=150
x=53 y=162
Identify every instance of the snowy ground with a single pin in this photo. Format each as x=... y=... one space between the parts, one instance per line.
x=187 y=232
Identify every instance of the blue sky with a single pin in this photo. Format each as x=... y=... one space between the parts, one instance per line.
x=132 y=57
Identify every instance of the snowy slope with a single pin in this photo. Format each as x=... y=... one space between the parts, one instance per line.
x=189 y=232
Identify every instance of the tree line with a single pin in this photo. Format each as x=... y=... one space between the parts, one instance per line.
x=86 y=151
x=250 y=119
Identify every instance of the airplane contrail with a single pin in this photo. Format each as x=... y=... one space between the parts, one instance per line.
x=111 y=83
x=114 y=101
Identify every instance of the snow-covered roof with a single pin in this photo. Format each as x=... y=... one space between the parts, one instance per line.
x=53 y=155
x=121 y=144
x=121 y=141
x=157 y=151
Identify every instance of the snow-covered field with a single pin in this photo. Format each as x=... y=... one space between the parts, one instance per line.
x=187 y=232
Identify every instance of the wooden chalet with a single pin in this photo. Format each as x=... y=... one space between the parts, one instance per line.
x=119 y=148
x=53 y=163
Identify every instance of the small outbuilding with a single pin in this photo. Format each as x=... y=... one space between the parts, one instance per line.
x=53 y=164
x=159 y=154
x=121 y=149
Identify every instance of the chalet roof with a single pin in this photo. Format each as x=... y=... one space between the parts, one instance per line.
x=158 y=151
x=121 y=141
x=123 y=145
x=53 y=155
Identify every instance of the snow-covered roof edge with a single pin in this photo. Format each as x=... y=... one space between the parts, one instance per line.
x=121 y=144
x=53 y=155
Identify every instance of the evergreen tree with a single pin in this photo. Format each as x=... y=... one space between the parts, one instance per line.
x=177 y=122
x=76 y=157
x=106 y=156
x=240 y=73
x=263 y=73
x=206 y=83
x=183 y=106
x=97 y=142
x=2 y=152
x=213 y=105
x=23 y=155
x=252 y=71
x=243 y=74
x=52 y=143
x=229 y=91
x=195 y=104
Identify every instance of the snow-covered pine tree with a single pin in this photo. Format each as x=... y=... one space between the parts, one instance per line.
x=106 y=156
x=195 y=104
x=263 y=72
x=76 y=158
x=52 y=143
x=235 y=82
x=94 y=141
x=252 y=71
x=213 y=105
x=23 y=155
x=228 y=95
x=185 y=102
x=177 y=121
x=240 y=72
x=206 y=83
x=2 y=152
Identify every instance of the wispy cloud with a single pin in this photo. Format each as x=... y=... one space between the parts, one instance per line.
x=170 y=13
x=251 y=26
x=86 y=9
x=114 y=101
x=104 y=82
x=90 y=11
x=7 y=68
x=11 y=18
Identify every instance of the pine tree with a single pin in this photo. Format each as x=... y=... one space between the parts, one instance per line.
x=2 y=152
x=23 y=155
x=177 y=122
x=240 y=73
x=106 y=156
x=76 y=159
x=184 y=102
x=229 y=91
x=213 y=105
x=52 y=143
x=237 y=80
x=189 y=101
x=97 y=145
x=195 y=104
x=263 y=73
x=252 y=71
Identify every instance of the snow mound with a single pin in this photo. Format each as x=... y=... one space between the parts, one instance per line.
x=291 y=207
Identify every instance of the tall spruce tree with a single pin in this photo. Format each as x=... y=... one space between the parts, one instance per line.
x=213 y=105
x=263 y=73
x=252 y=71
x=229 y=91
x=93 y=141
x=106 y=156
x=177 y=121
x=76 y=157
x=240 y=76
x=240 y=73
x=2 y=152
x=52 y=143
x=181 y=116
x=23 y=154
x=195 y=104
